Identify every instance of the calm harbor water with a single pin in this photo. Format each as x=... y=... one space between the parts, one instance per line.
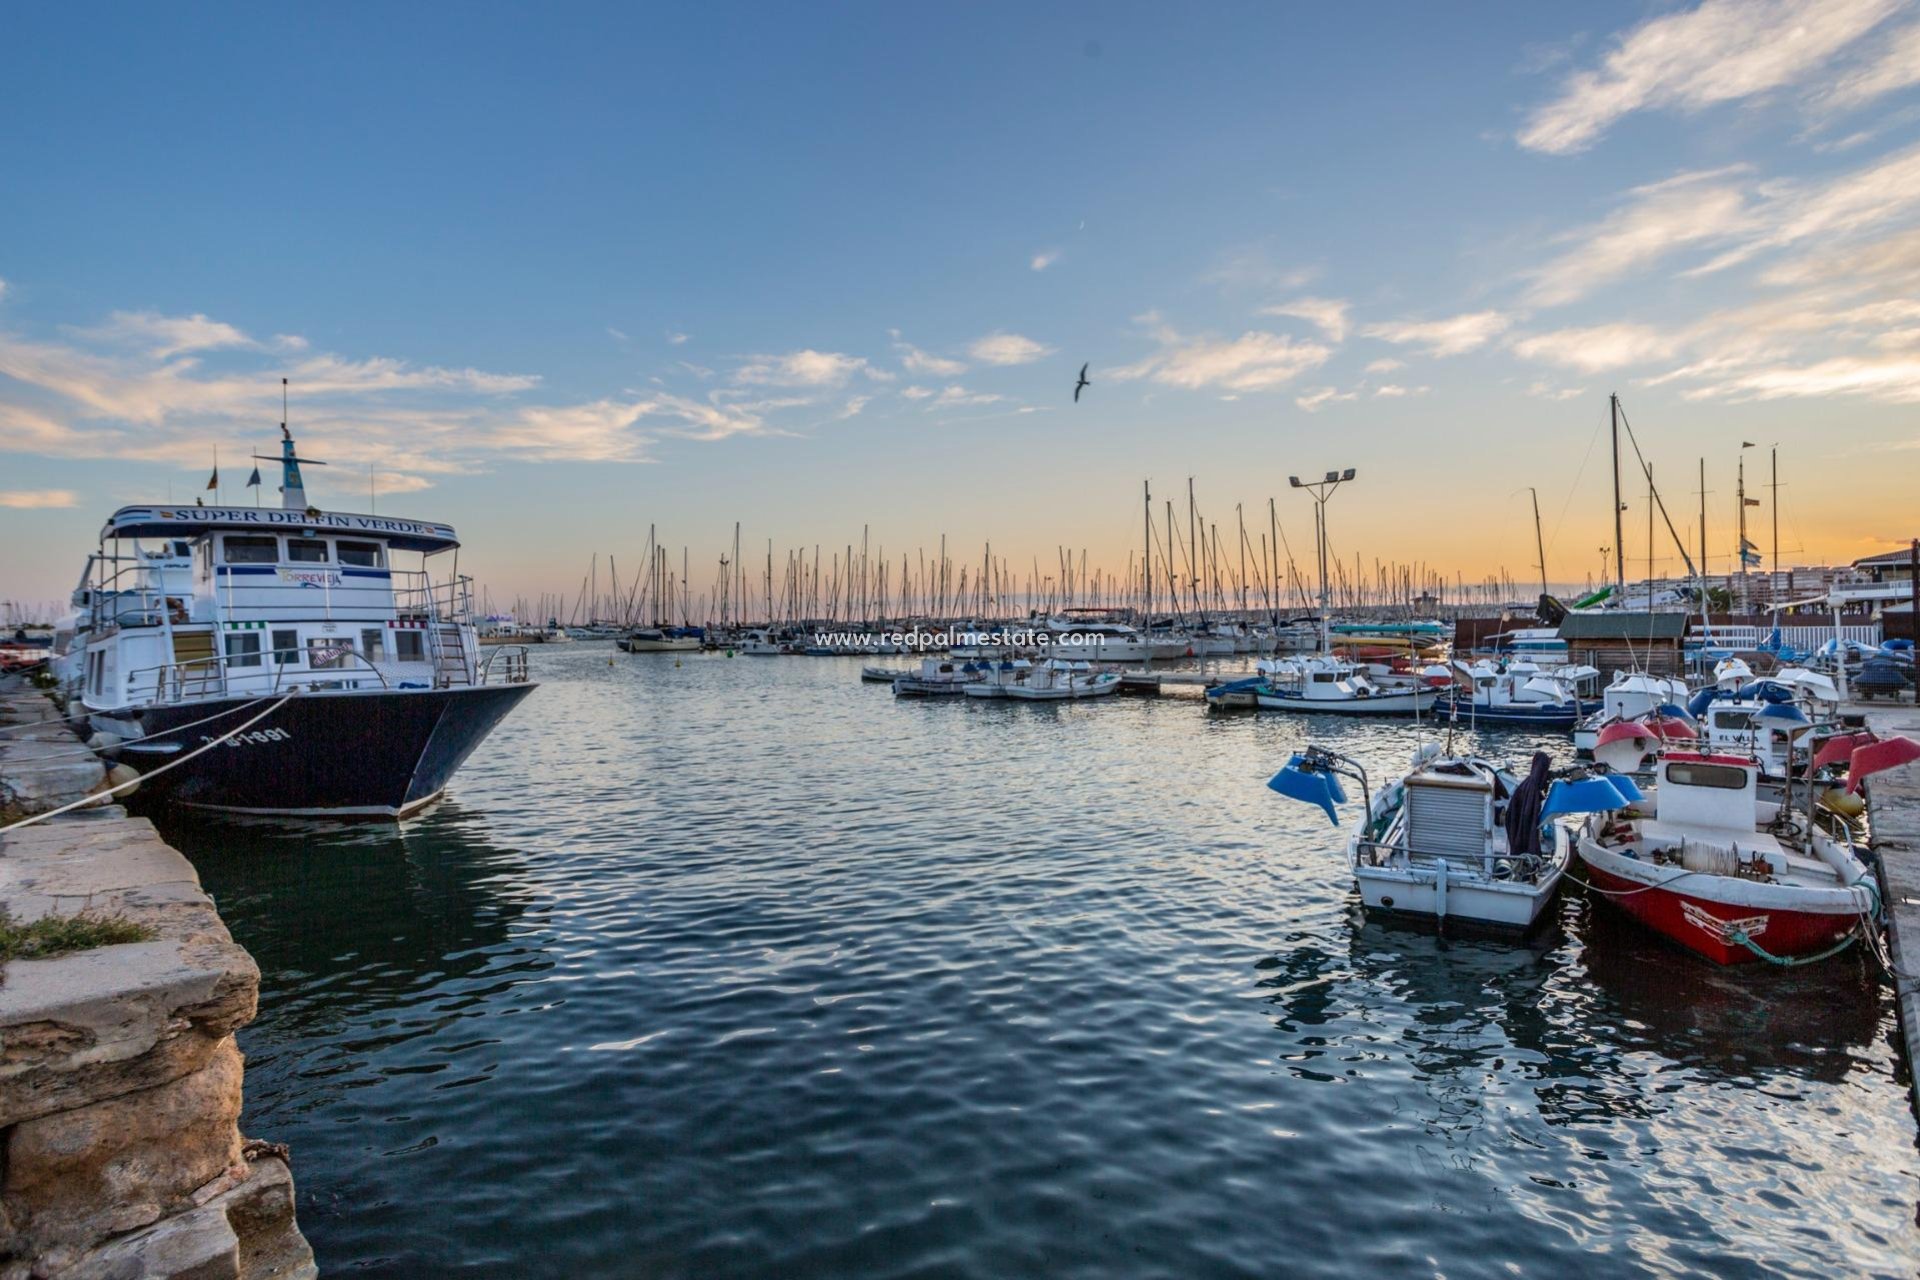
x=736 y=967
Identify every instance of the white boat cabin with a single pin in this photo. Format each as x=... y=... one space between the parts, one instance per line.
x=195 y=603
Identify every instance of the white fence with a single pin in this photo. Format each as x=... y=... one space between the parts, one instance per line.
x=1804 y=638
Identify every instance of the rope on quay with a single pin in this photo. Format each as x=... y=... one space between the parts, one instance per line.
x=101 y=795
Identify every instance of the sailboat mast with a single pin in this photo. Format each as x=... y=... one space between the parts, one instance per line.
x=1619 y=534
x=1146 y=589
x=1539 y=541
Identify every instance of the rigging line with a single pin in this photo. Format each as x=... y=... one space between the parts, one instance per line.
x=1575 y=487
x=1657 y=499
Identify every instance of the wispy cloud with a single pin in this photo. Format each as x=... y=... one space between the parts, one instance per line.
x=1654 y=221
x=38 y=499
x=163 y=336
x=676 y=339
x=1320 y=397
x=1893 y=67
x=1007 y=348
x=1044 y=259
x=617 y=335
x=1254 y=361
x=1866 y=199
x=957 y=397
x=1329 y=315
x=806 y=368
x=1385 y=364
x=1721 y=51
x=1455 y=335
x=914 y=360
x=1596 y=348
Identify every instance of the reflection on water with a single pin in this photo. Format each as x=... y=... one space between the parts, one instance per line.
x=719 y=967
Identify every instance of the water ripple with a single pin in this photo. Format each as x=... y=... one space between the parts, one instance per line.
x=739 y=968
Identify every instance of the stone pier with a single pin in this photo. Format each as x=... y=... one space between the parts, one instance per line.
x=121 y=1156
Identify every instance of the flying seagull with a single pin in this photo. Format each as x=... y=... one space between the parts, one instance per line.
x=1081 y=384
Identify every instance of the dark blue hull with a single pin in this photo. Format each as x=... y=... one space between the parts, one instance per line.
x=1542 y=716
x=379 y=754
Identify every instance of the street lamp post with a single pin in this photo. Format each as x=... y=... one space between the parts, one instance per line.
x=1321 y=491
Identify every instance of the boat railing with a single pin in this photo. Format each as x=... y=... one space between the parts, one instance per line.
x=213 y=676
x=417 y=595
x=1453 y=857
x=514 y=668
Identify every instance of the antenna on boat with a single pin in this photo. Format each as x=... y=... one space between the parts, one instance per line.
x=293 y=492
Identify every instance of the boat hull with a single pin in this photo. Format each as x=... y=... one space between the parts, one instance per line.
x=1416 y=892
x=1379 y=704
x=1543 y=715
x=1706 y=925
x=381 y=754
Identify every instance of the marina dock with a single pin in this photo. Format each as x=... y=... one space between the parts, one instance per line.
x=1895 y=805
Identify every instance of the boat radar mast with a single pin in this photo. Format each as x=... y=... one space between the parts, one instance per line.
x=293 y=492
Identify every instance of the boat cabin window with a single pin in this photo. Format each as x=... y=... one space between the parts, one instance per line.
x=243 y=649
x=237 y=548
x=1323 y=677
x=1733 y=720
x=370 y=645
x=1723 y=776
x=307 y=550
x=409 y=645
x=328 y=654
x=286 y=647
x=364 y=554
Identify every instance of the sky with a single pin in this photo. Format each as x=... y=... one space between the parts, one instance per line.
x=556 y=274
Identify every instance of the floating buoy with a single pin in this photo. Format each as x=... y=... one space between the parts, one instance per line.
x=1841 y=803
x=676 y=664
x=123 y=773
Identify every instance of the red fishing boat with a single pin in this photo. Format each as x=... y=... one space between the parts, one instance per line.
x=1702 y=859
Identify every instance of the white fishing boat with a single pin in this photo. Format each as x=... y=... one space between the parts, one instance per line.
x=936 y=678
x=762 y=644
x=658 y=640
x=1517 y=695
x=1457 y=838
x=996 y=678
x=1330 y=686
x=1063 y=679
x=1630 y=696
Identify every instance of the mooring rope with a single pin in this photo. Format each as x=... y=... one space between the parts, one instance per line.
x=171 y=764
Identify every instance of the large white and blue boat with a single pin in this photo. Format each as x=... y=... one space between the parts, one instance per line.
x=341 y=646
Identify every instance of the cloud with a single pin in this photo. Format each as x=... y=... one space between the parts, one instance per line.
x=1596 y=348
x=915 y=393
x=1007 y=348
x=1385 y=364
x=1392 y=391
x=3 y=288
x=1851 y=204
x=1253 y=267
x=957 y=397
x=807 y=368
x=1896 y=66
x=1547 y=391
x=1453 y=336
x=162 y=336
x=1044 y=259
x=1317 y=399
x=616 y=335
x=1658 y=219
x=1329 y=315
x=38 y=499
x=676 y=339
x=1893 y=379
x=1721 y=51
x=914 y=360
x=1255 y=361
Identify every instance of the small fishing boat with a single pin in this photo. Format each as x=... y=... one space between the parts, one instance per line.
x=1631 y=695
x=936 y=678
x=1060 y=679
x=997 y=678
x=1327 y=685
x=658 y=640
x=1456 y=838
x=1704 y=860
x=882 y=675
x=1096 y=634
x=1515 y=696
x=554 y=633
